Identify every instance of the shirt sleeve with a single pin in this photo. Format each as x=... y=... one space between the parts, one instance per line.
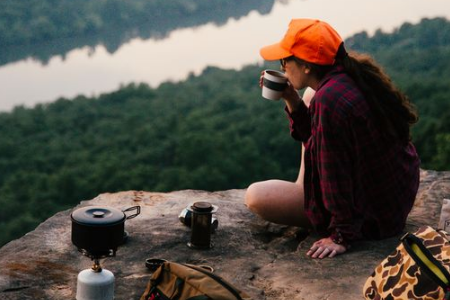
x=299 y=123
x=333 y=155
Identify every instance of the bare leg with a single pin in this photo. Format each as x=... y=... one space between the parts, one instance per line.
x=279 y=201
x=301 y=173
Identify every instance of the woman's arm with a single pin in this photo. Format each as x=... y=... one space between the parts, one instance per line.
x=297 y=110
x=334 y=159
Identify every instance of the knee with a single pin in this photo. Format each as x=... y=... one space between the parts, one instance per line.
x=253 y=196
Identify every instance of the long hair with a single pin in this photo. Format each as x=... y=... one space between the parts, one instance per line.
x=393 y=111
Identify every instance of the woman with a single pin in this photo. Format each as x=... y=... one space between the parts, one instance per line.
x=360 y=172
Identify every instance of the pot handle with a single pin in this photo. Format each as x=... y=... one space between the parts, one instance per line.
x=138 y=211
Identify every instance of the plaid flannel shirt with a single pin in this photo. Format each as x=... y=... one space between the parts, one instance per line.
x=358 y=183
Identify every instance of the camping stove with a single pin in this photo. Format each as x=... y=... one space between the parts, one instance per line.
x=97 y=232
x=95 y=283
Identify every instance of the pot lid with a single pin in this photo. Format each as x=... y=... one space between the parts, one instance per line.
x=98 y=216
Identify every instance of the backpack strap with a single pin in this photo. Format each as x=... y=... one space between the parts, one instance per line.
x=179 y=283
x=199 y=297
x=219 y=279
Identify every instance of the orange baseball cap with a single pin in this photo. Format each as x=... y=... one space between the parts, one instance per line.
x=311 y=40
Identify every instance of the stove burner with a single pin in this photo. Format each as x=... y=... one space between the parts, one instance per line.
x=104 y=253
x=97 y=255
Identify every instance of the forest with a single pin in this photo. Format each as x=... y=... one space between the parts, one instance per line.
x=195 y=134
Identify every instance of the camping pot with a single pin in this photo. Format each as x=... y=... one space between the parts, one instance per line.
x=98 y=231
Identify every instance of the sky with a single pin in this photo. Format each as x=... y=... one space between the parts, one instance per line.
x=93 y=71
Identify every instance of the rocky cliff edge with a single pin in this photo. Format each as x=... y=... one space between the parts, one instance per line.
x=267 y=261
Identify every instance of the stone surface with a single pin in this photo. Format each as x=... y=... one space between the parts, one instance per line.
x=267 y=261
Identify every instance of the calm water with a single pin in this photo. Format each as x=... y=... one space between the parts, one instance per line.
x=93 y=70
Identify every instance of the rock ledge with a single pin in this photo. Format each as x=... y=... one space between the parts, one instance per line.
x=267 y=261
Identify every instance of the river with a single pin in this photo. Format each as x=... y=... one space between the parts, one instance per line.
x=92 y=70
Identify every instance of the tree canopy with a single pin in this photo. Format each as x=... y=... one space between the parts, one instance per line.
x=212 y=132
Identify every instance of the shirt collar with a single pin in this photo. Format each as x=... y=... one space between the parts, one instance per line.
x=335 y=70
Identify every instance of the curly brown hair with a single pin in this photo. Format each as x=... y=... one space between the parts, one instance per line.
x=393 y=111
x=392 y=108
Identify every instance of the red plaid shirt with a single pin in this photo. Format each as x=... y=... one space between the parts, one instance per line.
x=358 y=183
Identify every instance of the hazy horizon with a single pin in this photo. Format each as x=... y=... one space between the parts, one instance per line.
x=90 y=72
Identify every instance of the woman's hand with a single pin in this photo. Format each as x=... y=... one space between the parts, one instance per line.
x=291 y=98
x=325 y=248
x=290 y=94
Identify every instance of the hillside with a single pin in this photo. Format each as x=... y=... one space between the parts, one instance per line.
x=210 y=132
x=417 y=57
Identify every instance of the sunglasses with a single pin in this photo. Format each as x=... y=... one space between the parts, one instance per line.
x=284 y=61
